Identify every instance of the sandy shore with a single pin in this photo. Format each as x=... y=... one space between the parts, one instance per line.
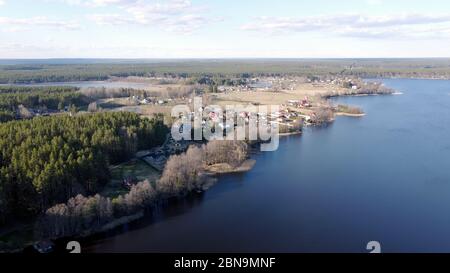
x=350 y=115
x=225 y=168
x=290 y=134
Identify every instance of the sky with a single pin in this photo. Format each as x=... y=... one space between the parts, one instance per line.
x=224 y=28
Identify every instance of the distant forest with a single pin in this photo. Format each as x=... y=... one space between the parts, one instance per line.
x=47 y=71
x=39 y=98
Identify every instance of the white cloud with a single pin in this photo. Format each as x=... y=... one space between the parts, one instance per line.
x=97 y=3
x=179 y=16
x=374 y=2
x=19 y=24
x=2 y=2
x=110 y=19
x=172 y=15
x=111 y=2
x=362 y=26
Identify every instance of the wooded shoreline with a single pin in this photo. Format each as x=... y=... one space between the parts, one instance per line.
x=200 y=181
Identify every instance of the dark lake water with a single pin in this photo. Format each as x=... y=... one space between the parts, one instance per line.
x=383 y=177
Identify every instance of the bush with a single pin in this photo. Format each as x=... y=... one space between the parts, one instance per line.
x=92 y=213
x=349 y=109
x=182 y=173
x=322 y=115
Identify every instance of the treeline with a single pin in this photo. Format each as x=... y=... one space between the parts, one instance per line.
x=41 y=73
x=89 y=214
x=322 y=115
x=354 y=110
x=37 y=73
x=183 y=173
x=402 y=73
x=38 y=98
x=47 y=160
x=186 y=172
x=220 y=79
x=363 y=88
x=202 y=72
x=169 y=92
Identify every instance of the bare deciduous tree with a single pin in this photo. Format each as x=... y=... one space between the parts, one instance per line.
x=183 y=172
x=323 y=115
x=92 y=107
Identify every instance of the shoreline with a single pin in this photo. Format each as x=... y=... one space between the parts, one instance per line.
x=212 y=171
x=223 y=168
x=350 y=115
x=361 y=95
x=290 y=134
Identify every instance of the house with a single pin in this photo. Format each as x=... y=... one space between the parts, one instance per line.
x=129 y=181
x=305 y=117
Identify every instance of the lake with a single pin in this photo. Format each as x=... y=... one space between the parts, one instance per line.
x=383 y=177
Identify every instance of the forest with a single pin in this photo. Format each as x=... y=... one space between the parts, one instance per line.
x=182 y=175
x=38 y=98
x=65 y=70
x=47 y=160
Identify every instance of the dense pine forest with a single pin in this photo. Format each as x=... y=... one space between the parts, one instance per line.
x=182 y=175
x=47 y=160
x=38 y=98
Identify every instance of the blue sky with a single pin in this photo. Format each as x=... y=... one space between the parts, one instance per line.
x=223 y=28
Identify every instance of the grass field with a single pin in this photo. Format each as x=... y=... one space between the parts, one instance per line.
x=313 y=92
x=135 y=168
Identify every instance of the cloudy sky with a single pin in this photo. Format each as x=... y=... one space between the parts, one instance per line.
x=223 y=28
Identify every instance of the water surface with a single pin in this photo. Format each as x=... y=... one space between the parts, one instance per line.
x=383 y=177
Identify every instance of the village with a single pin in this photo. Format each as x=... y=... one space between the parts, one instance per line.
x=294 y=94
x=298 y=94
x=301 y=101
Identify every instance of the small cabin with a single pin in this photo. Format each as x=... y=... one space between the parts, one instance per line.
x=129 y=181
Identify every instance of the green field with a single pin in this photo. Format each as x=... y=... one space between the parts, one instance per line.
x=135 y=168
